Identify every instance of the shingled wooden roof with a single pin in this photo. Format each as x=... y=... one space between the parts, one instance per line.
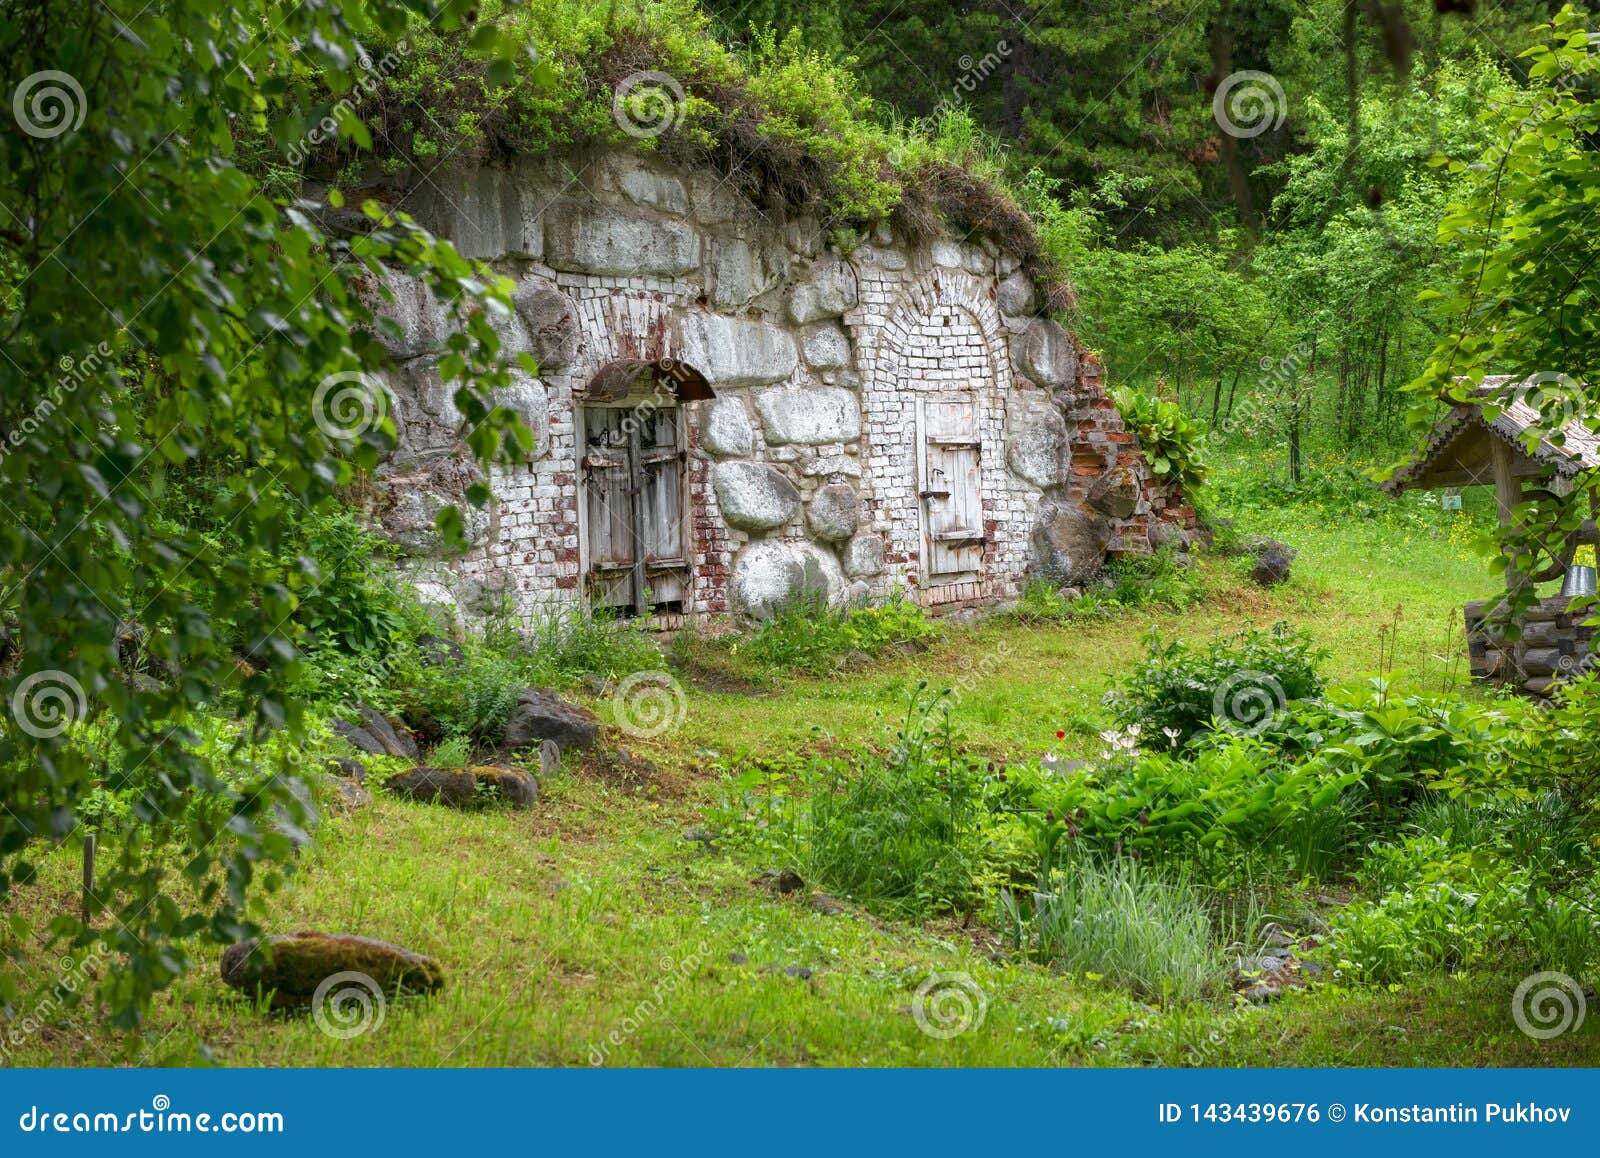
x=1457 y=452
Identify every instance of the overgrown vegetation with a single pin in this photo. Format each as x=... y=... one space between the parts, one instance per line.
x=811 y=636
x=180 y=563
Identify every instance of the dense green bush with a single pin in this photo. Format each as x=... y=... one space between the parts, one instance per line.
x=1239 y=682
x=1438 y=910
x=471 y=697
x=1218 y=806
x=1173 y=442
x=899 y=830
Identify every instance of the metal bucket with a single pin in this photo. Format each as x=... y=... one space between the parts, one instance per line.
x=1578 y=581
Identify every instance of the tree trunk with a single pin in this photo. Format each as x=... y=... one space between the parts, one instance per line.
x=1352 y=93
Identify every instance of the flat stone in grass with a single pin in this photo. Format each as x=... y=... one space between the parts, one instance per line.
x=541 y=715
x=347 y=795
x=292 y=965
x=511 y=785
x=466 y=788
x=346 y=768
x=453 y=786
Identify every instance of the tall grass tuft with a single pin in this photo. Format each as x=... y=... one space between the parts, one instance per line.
x=1140 y=931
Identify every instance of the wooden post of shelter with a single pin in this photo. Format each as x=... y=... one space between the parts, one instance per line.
x=1507 y=493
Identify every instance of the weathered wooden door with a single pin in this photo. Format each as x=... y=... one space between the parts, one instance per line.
x=948 y=452
x=633 y=469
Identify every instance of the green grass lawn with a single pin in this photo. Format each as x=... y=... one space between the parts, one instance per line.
x=589 y=929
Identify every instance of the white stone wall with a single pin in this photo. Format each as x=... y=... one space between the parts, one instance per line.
x=802 y=472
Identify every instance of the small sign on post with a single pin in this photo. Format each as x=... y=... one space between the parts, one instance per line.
x=1450 y=499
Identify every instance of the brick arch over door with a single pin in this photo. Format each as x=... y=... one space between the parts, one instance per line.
x=935 y=382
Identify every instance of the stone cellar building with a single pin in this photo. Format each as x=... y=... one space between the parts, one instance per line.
x=732 y=413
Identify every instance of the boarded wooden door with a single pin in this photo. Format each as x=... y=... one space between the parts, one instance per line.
x=633 y=503
x=949 y=452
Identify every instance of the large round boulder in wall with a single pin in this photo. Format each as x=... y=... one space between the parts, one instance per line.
x=810 y=416
x=592 y=240
x=821 y=578
x=863 y=557
x=1045 y=354
x=733 y=352
x=754 y=496
x=1069 y=543
x=825 y=347
x=551 y=322
x=726 y=431
x=526 y=396
x=834 y=513
x=411 y=522
x=1036 y=439
x=826 y=290
x=1014 y=296
x=1115 y=494
x=767 y=576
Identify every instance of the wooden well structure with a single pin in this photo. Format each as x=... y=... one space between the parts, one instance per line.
x=1488 y=440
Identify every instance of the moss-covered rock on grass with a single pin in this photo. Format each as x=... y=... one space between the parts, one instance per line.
x=466 y=788
x=292 y=965
x=511 y=785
